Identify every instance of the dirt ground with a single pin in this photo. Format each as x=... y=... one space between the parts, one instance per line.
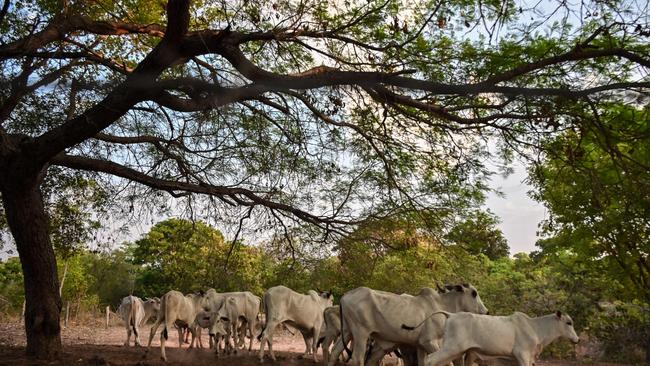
x=87 y=345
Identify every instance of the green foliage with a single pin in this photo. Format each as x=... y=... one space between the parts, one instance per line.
x=12 y=292
x=623 y=330
x=595 y=184
x=478 y=234
x=187 y=256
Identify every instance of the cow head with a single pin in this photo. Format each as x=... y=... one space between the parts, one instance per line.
x=325 y=298
x=153 y=304
x=199 y=299
x=564 y=325
x=218 y=324
x=464 y=297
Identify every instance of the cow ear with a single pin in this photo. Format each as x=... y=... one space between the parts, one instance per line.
x=449 y=287
x=459 y=288
x=466 y=285
x=558 y=314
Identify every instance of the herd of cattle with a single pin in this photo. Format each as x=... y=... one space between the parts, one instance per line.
x=434 y=327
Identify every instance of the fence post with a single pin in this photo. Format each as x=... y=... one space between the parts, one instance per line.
x=22 y=314
x=67 y=314
x=108 y=312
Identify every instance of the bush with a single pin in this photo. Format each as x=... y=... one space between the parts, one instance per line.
x=622 y=329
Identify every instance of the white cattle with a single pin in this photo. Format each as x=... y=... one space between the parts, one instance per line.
x=151 y=308
x=303 y=312
x=332 y=330
x=179 y=309
x=518 y=336
x=379 y=315
x=235 y=308
x=135 y=314
x=131 y=310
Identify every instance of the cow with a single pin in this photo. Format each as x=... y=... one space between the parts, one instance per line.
x=135 y=314
x=368 y=313
x=235 y=308
x=179 y=309
x=303 y=312
x=332 y=330
x=517 y=336
x=132 y=311
x=151 y=308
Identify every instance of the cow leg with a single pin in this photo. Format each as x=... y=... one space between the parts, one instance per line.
x=128 y=335
x=267 y=336
x=314 y=342
x=359 y=345
x=327 y=343
x=163 y=356
x=376 y=355
x=154 y=329
x=235 y=336
x=336 y=352
x=470 y=358
x=441 y=357
x=523 y=358
x=251 y=327
x=137 y=335
x=181 y=335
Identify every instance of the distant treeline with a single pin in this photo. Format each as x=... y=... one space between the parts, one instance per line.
x=188 y=256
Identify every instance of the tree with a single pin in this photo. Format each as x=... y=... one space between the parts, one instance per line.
x=479 y=234
x=178 y=255
x=594 y=181
x=187 y=256
x=293 y=112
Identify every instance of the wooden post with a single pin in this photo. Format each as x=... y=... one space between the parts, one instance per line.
x=108 y=312
x=22 y=314
x=67 y=314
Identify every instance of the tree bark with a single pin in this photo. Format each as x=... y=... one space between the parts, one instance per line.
x=28 y=222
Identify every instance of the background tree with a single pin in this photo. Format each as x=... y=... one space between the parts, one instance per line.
x=478 y=234
x=594 y=181
x=287 y=113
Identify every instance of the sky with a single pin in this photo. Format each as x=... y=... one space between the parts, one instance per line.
x=520 y=215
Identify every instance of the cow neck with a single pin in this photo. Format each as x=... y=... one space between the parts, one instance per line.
x=449 y=302
x=546 y=329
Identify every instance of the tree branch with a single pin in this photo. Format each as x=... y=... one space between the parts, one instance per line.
x=241 y=196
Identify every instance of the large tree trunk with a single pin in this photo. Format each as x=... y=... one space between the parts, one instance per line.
x=28 y=222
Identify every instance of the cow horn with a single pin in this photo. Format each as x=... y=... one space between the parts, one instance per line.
x=449 y=287
x=440 y=289
x=319 y=290
x=330 y=293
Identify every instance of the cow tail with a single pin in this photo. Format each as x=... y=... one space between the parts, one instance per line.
x=132 y=316
x=345 y=344
x=164 y=332
x=266 y=320
x=445 y=313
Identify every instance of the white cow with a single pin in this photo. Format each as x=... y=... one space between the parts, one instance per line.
x=237 y=309
x=518 y=336
x=179 y=309
x=135 y=314
x=332 y=330
x=379 y=315
x=303 y=312
x=131 y=310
